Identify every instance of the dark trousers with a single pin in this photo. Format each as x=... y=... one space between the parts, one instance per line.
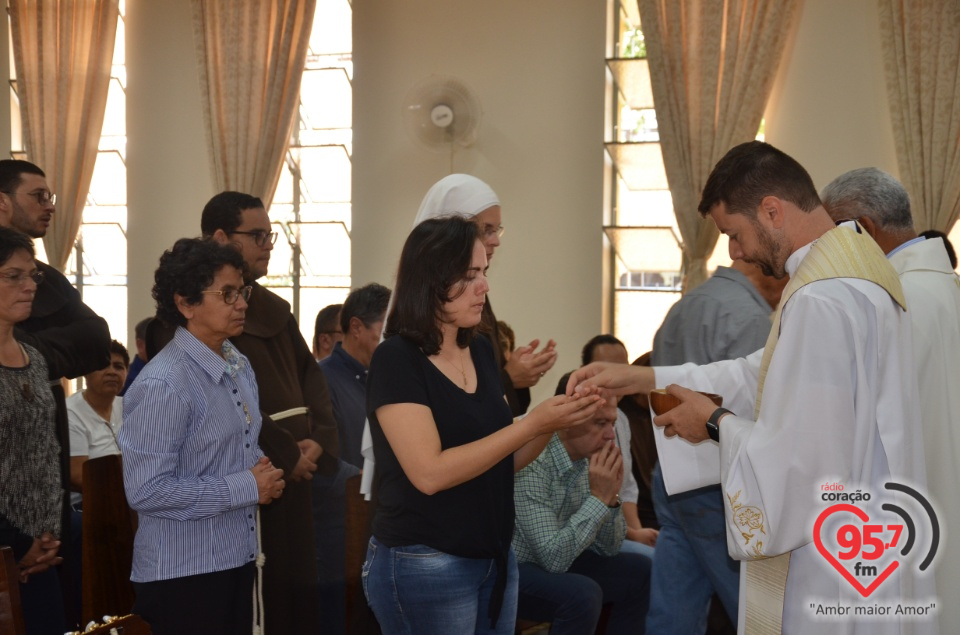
x=329 y=526
x=218 y=603
x=42 y=604
x=572 y=601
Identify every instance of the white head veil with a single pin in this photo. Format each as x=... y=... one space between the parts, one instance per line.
x=454 y=195
x=457 y=194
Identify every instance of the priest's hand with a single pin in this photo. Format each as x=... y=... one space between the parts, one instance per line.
x=689 y=419
x=613 y=379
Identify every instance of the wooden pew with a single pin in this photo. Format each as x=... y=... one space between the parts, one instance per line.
x=109 y=526
x=357 y=535
x=11 y=616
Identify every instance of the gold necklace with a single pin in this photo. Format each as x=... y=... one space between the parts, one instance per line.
x=461 y=369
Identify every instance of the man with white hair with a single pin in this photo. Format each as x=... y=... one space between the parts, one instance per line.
x=882 y=206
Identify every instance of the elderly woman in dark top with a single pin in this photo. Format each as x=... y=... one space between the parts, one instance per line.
x=447 y=447
x=30 y=489
x=191 y=464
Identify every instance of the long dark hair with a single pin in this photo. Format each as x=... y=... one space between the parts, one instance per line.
x=432 y=272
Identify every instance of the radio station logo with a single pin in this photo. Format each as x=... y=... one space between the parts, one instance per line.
x=866 y=547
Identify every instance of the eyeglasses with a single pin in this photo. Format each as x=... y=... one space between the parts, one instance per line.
x=487 y=231
x=43 y=197
x=20 y=278
x=230 y=295
x=260 y=236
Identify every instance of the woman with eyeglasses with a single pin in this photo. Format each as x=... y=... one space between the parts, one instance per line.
x=191 y=464
x=30 y=488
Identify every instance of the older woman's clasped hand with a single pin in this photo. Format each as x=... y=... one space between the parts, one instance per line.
x=270 y=481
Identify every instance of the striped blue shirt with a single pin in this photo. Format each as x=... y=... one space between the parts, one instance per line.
x=189 y=439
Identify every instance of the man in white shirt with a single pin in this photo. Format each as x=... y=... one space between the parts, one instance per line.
x=881 y=205
x=829 y=400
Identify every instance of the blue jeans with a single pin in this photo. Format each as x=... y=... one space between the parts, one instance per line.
x=571 y=601
x=417 y=590
x=629 y=546
x=691 y=561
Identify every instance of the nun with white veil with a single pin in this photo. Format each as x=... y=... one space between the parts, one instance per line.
x=469 y=197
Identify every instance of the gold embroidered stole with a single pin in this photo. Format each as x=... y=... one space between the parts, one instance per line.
x=839 y=253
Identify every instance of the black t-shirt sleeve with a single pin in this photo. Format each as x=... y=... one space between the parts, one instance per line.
x=395 y=376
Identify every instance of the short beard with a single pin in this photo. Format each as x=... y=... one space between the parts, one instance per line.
x=25 y=227
x=775 y=266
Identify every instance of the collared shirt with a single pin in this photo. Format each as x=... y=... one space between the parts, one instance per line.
x=629 y=490
x=557 y=516
x=189 y=439
x=898 y=248
x=347 y=381
x=723 y=318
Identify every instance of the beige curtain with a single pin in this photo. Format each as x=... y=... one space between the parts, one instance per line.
x=712 y=64
x=251 y=55
x=921 y=56
x=63 y=51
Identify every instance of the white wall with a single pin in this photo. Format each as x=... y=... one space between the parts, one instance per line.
x=168 y=174
x=538 y=69
x=829 y=107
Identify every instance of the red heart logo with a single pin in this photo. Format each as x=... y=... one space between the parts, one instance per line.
x=862 y=515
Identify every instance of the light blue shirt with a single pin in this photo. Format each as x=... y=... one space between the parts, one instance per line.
x=189 y=439
x=918 y=239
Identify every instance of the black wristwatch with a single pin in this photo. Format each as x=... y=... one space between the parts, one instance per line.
x=713 y=427
x=616 y=503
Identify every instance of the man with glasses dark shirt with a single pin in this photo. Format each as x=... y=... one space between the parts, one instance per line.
x=288 y=378
x=72 y=338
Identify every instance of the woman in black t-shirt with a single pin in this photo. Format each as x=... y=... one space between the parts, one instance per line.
x=446 y=447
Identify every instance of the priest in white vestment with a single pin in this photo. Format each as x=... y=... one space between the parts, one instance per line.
x=882 y=206
x=830 y=400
